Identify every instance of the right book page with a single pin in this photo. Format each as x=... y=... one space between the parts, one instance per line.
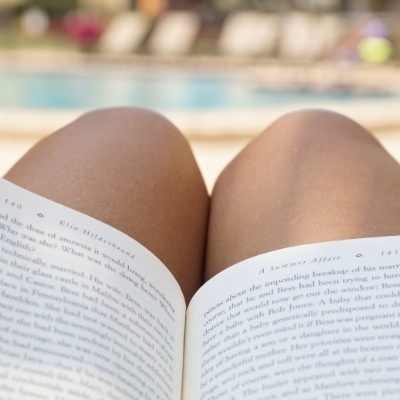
x=319 y=321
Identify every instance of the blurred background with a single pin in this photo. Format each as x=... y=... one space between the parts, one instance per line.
x=221 y=70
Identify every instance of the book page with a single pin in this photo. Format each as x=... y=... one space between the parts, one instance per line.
x=310 y=322
x=85 y=311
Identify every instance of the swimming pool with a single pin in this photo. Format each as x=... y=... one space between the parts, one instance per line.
x=157 y=89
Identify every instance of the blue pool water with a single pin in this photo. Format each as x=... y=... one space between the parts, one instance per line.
x=157 y=90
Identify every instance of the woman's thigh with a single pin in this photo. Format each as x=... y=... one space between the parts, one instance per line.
x=312 y=176
x=133 y=170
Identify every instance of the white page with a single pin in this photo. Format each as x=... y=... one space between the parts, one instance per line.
x=310 y=322
x=85 y=311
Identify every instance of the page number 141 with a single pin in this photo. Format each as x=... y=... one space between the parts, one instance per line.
x=389 y=252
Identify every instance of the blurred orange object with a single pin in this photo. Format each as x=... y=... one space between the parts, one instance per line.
x=153 y=8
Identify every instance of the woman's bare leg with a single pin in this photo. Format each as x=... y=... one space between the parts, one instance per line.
x=133 y=170
x=312 y=176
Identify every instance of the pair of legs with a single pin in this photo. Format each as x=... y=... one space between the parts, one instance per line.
x=312 y=176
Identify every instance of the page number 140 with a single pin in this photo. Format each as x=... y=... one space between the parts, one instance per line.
x=13 y=204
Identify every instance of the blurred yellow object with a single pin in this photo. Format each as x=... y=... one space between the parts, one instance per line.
x=375 y=49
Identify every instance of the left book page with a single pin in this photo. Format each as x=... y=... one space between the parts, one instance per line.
x=85 y=311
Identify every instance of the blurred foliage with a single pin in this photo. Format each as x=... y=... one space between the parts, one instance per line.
x=54 y=8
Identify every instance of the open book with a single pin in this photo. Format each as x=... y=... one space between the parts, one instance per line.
x=88 y=313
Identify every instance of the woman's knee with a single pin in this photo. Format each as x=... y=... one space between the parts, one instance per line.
x=131 y=158
x=311 y=176
x=301 y=140
x=127 y=125
x=316 y=125
x=125 y=134
x=110 y=143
